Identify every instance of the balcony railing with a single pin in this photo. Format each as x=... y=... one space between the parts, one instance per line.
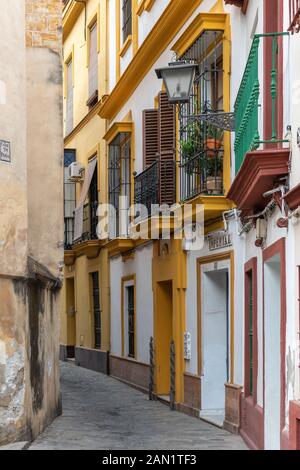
x=250 y=133
x=155 y=186
x=201 y=167
x=90 y=221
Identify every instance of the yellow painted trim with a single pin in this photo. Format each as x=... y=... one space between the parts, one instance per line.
x=70 y=57
x=98 y=29
x=202 y=22
x=126 y=46
x=124 y=280
x=172 y=267
x=207 y=260
x=135 y=26
x=118 y=39
x=70 y=16
x=170 y=22
x=149 y=4
x=117 y=128
x=140 y=7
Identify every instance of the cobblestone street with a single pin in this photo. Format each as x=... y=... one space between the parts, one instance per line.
x=100 y=413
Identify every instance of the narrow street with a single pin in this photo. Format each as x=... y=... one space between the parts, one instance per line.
x=100 y=413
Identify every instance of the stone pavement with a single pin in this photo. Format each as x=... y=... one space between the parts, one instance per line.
x=100 y=413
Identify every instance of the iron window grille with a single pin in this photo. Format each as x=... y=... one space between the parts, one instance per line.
x=96 y=309
x=69 y=199
x=127 y=19
x=201 y=142
x=119 y=182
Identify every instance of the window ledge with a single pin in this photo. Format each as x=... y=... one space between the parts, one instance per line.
x=126 y=46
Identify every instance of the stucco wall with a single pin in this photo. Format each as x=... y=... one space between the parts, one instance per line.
x=31 y=216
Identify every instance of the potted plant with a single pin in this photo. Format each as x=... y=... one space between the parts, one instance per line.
x=213 y=141
x=190 y=147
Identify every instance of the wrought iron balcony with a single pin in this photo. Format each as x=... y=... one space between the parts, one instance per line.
x=156 y=186
x=259 y=115
x=201 y=167
x=90 y=221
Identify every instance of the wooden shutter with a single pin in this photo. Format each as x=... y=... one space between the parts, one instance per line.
x=167 y=127
x=150 y=136
x=166 y=148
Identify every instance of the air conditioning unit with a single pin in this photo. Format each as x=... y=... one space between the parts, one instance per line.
x=75 y=172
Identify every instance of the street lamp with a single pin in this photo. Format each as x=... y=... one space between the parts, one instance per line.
x=178 y=78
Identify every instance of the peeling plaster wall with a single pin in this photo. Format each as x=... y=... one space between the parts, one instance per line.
x=31 y=215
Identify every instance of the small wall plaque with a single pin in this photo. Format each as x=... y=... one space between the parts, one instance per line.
x=5 y=151
x=217 y=242
x=187 y=346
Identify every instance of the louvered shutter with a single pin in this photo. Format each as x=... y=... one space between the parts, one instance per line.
x=166 y=148
x=150 y=136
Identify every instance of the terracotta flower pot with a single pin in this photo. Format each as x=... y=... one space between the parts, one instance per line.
x=213 y=146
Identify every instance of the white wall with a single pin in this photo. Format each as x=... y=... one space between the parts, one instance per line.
x=141 y=266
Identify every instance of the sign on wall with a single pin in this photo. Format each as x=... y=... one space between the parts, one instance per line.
x=5 y=151
x=187 y=346
x=216 y=242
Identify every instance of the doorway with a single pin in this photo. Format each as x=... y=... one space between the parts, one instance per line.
x=272 y=340
x=71 y=317
x=215 y=337
x=163 y=337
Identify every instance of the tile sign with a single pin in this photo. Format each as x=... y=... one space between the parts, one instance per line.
x=220 y=241
x=187 y=346
x=5 y=151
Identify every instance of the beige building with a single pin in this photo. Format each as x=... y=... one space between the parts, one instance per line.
x=31 y=215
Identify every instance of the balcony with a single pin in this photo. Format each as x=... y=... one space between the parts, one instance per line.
x=261 y=151
x=155 y=186
x=88 y=244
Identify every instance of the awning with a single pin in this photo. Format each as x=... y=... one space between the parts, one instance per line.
x=78 y=224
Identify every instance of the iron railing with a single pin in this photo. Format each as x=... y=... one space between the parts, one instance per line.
x=201 y=141
x=155 y=186
x=249 y=132
x=90 y=222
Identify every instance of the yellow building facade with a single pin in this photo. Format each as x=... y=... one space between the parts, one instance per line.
x=149 y=333
x=86 y=262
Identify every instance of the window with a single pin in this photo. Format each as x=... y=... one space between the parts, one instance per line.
x=131 y=321
x=69 y=97
x=126 y=19
x=69 y=198
x=119 y=183
x=90 y=219
x=251 y=329
x=96 y=309
x=93 y=66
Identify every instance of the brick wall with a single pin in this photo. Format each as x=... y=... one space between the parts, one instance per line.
x=43 y=24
